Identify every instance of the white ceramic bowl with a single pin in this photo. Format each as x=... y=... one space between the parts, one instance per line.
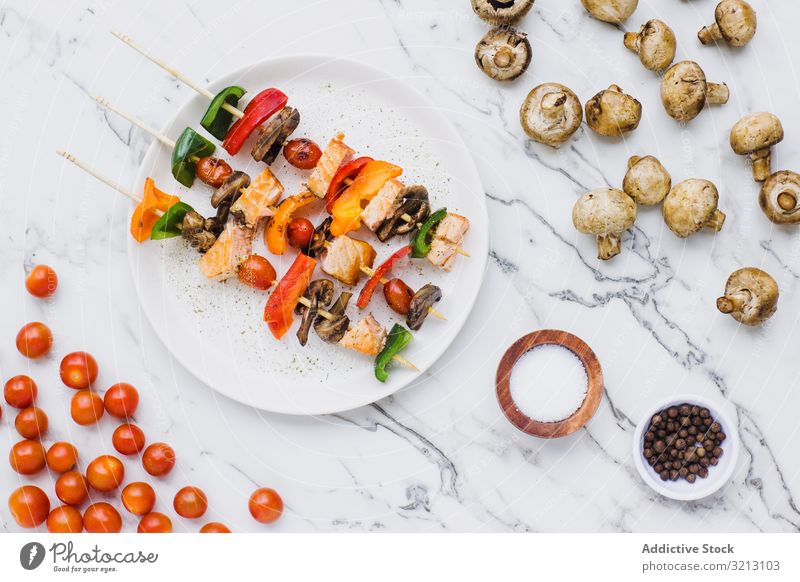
x=718 y=476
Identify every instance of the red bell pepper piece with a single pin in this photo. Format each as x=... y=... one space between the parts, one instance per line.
x=261 y=107
x=337 y=186
x=279 y=310
x=369 y=289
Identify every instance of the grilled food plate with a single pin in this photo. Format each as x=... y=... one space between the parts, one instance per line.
x=216 y=330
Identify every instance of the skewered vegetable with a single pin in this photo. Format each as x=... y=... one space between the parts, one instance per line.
x=335 y=154
x=372 y=284
x=397 y=340
x=213 y=171
x=421 y=245
x=415 y=209
x=421 y=304
x=333 y=329
x=230 y=189
x=152 y=206
x=171 y=222
x=257 y=272
x=217 y=120
x=189 y=148
x=751 y=296
x=302 y=153
x=779 y=197
x=347 y=208
x=300 y=233
x=280 y=305
x=274 y=133
x=276 y=231
x=398 y=295
x=260 y=109
x=194 y=230
x=319 y=295
x=504 y=53
x=346 y=172
x=321 y=237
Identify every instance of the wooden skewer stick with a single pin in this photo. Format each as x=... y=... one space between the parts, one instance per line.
x=91 y=172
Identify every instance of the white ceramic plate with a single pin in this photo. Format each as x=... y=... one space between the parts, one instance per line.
x=216 y=329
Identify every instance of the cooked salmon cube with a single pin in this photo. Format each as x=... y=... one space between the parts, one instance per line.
x=386 y=201
x=452 y=229
x=367 y=337
x=257 y=200
x=345 y=257
x=232 y=246
x=333 y=156
x=442 y=254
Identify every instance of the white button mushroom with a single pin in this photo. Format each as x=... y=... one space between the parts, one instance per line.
x=736 y=22
x=691 y=206
x=655 y=44
x=613 y=11
x=753 y=136
x=780 y=197
x=685 y=91
x=550 y=114
x=612 y=113
x=499 y=12
x=751 y=296
x=606 y=213
x=503 y=53
x=647 y=181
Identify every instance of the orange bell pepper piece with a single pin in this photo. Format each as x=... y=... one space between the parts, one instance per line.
x=154 y=204
x=348 y=207
x=275 y=233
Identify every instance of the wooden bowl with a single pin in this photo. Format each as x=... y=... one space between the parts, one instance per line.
x=594 y=392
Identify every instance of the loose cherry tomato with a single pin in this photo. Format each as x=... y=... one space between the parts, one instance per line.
x=139 y=498
x=398 y=295
x=86 y=407
x=27 y=457
x=190 y=502
x=31 y=422
x=41 y=281
x=34 y=340
x=300 y=233
x=20 y=391
x=215 y=527
x=65 y=519
x=213 y=171
x=102 y=518
x=72 y=488
x=302 y=153
x=266 y=506
x=257 y=272
x=158 y=459
x=121 y=400
x=78 y=370
x=105 y=473
x=61 y=457
x=128 y=439
x=155 y=522
x=29 y=506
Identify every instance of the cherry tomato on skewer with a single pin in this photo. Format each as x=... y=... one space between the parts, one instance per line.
x=139 y=498
x=65 y=519
x=128 y=439
x=121 y=400
x=266 y=506
x=257 y=272
x=27 y=457
x=29 y=506
x=158 y=459
x=41 y=282
x=78 y=370
x=190 y=502
x=300 y=232
x=302 y=153
x=86 y=407
x=398 y=295
x=155 y=522
x=72 y=488
x=34 y=340
x=62 y=456
x=102 y=518
x=20 y=391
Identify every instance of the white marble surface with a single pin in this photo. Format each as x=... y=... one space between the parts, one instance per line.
x=440 y=456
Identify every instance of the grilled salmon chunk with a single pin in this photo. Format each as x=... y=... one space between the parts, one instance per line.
x=333 y=156
x=345 y=257
x=386 y=201
x=447 y=237
x=255 y=202
x=367 y=337
x=232 y=246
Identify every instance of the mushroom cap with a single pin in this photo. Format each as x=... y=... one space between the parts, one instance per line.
x=780 y=197
x=689 y=206
x=550 y=114
x=604 y=211
x=612 y=113
x=762 y=294
x=503 y=53
x=501 y=11
x=683 y=90
x=737 y=21
x=647 y=181
x=756 y=132
x=657 y=45
x=613 y=11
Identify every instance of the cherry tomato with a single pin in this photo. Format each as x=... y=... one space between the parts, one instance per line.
x=302 y=153
x=31 y=422
x=158 y=459
x=29 y=505
x=155 y=522
x=215 y=527
x=139 y=498
x=61 y=457
x=105 y=473
x=190 y=502
x=34 y=340
x=78 y=370
x=86 y=407
x=300 y=233
x=121 y=400
x=20 y=391
x=128 y=439
x=266 y=506
x=213 y=171
x=257 y=272
x=65 y=519
x=72 y=488
x=27 y=457
x=398 y=295
x=102 y=518
x=41 y=281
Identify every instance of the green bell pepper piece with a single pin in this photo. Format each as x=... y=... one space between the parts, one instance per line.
x=169 y=225
x=396 y=341
x=189 y=147
x=216 y=120
x=421 y=245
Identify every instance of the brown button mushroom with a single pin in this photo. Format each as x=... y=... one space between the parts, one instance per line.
x=503 y=53
x=753 y=136
x=499 y=12
x=685 y=91
x=550 y=114
x=780 y=197
x=751 y=296
x=613 y=113
x=613 y=11
x=735 y=22
x=691 y=206
x=647 y=181
x=655 y=44
x=605 y=213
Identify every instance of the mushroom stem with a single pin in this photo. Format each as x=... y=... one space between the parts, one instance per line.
x=633 y=160
x=716 y=221
x=632 y=41
x=553 y=107
x=717 y=94
x=710 y=34
x=608 y=246
x=733 y=301
x=762 y=164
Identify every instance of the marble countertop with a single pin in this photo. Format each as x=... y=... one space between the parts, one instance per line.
x=439 y=456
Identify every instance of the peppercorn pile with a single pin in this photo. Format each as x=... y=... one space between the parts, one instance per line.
x=682 y=442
